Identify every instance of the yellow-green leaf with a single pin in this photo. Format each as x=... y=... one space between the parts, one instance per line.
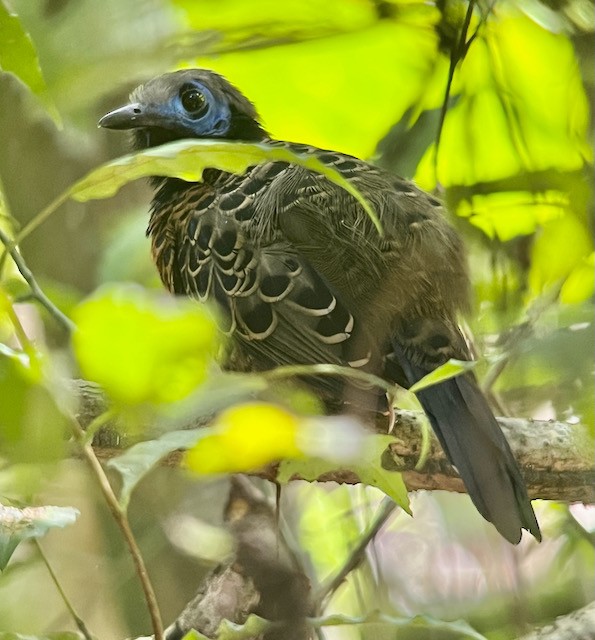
x=561 y=246
x=580 y=284
x=188 y=158
x=18 y=56
x=367 y=465
x=143 y=347
x=448 y=370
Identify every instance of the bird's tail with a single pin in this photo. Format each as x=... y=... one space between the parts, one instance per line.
x=476 y=446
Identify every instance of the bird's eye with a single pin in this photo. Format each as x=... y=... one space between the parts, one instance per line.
x=193 y=100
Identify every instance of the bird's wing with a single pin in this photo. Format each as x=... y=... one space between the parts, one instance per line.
x=281 y=309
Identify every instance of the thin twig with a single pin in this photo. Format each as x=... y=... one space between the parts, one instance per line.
x=119 y=515
x=356 y=556
x=38 y=294
x=455 y=56
x=82 y=627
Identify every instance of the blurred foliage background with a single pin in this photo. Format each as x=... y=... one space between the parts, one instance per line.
x=498 y=124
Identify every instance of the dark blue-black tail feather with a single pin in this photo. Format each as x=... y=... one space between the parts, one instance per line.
x=476 y=446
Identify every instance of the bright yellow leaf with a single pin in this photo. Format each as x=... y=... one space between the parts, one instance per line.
x=246 y=437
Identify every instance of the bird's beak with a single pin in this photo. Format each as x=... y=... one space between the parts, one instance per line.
x=130 y=116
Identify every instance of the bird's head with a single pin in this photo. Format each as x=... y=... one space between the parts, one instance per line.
x=192 y=103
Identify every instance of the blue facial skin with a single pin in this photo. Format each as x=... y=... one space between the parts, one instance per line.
x=169 y=118
x=212 y=120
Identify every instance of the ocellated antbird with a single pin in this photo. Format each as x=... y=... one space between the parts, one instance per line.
x=302 y=275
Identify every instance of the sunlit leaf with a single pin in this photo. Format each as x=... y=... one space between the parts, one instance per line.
x=378 y=68
x=293 y=20
x=246 y=437
x=561 y=246
x=143 y=347
x=521 y=111
x=508 y=214
x=446 y=371
x=137 y=461
x=522 y=105
x=17 y=525
x=18 y=56
x=580 y=284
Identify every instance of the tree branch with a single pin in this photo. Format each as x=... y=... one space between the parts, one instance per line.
x=556 y=458
x=578 y=625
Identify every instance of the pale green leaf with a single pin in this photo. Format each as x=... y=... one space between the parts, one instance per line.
x=425 y=626
x=17 y=525
x=137 y=461
x=444 y=372
x=435 y=628
x=252 y=628
x=187 y=160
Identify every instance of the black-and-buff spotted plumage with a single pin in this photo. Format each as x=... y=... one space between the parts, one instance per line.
x=302 y=275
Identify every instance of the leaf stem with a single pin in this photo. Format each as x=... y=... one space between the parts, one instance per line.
x=38 y=294
x=82 y=627
x=121 y=519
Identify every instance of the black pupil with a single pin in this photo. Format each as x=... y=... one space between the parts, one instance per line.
x=193 y=100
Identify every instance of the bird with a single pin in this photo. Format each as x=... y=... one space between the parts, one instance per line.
x=301 y=274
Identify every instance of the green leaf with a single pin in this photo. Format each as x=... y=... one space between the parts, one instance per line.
x=193 y=634
x=32 y=426
x=18 y=56
x=17 y=525
x=396 y=57
x=580 y=284
x=143 y=347
x=367 y=466
x=444 y=372
x=562 y=246
x=252 y=628
x=435 y=628
x=425 y=626
x=187 y=160
x=137 y=461
x=369 y=469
